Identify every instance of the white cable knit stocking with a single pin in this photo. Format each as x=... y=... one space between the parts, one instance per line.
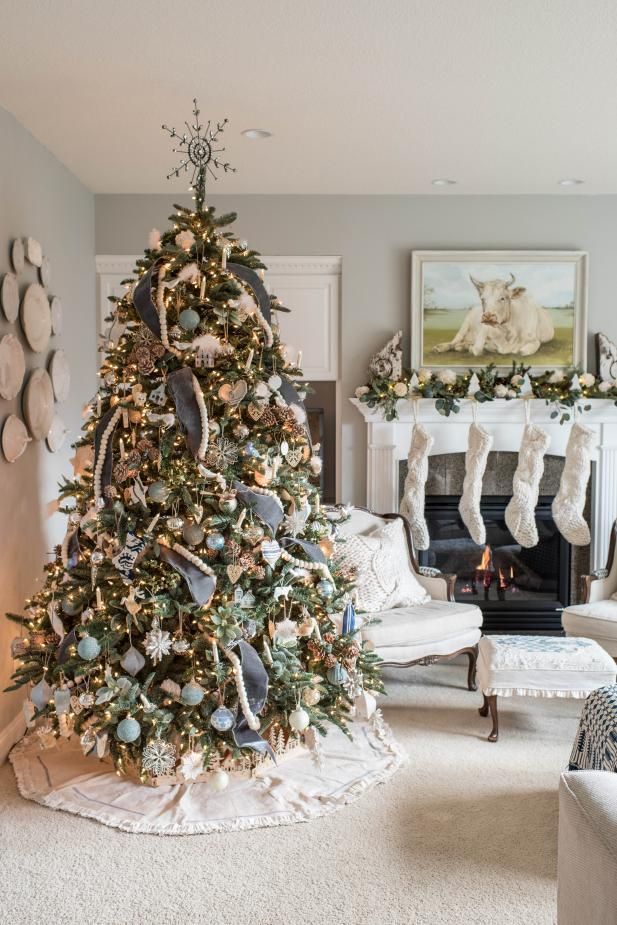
x=478 y=448
x=520 y=512
x=412 y=504
x=569 y=501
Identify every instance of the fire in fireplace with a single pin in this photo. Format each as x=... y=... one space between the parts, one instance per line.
x=520 y=590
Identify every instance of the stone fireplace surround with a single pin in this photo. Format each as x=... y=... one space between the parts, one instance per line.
x=388 y=444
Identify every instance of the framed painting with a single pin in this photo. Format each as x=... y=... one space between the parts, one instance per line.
x=472 y=308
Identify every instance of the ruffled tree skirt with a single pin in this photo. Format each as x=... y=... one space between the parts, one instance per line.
x=303 y=787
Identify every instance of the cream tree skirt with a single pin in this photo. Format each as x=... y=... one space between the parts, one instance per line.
x=302 y=787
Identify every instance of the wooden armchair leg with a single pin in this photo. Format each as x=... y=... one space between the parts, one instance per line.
x=490 y=704
x=472 y=654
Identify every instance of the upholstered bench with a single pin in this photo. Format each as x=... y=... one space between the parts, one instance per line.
x=539 y=666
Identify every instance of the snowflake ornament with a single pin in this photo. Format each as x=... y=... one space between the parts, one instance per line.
x=158 y=644
x=222 y=453
x=191 y=765
x=159 y=757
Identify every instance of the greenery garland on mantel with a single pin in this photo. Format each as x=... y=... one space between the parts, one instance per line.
x=567 y=390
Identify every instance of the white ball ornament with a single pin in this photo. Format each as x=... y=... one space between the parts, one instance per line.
x=219 y=780
x=128 y=730
x=192 y=694
x=311 y=697
x=299 y=720
x=88 y=648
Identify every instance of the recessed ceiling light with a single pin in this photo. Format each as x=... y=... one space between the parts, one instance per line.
x=443 y=181
x=254 y=133
x=570 y=181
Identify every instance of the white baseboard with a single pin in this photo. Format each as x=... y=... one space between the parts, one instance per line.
x=11 y=734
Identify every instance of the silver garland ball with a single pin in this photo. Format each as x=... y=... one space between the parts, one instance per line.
x=228 y=503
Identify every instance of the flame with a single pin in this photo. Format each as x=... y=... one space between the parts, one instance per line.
x=503 y=582
x=485 y=562
x=511 y=573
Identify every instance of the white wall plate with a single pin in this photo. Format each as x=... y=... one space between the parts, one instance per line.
x=15 y=438
x=60 y=373
x=36 y=317
x=56 y=315
x=12 y=366
x=45 y=272
x=9 y=295
x=38 y=404
x=34 y=252
x=57 y=434
x=18 y=255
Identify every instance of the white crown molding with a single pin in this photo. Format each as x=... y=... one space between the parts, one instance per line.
x=279 y=266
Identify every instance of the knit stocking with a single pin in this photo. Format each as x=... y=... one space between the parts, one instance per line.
x=412 y=504
x=480 y=443
x=569 y=501
x=520 y=512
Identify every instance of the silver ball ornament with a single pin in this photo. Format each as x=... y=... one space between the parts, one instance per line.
x=228 y=503
x=158 y=491
x=193 y=534
x=215 y=541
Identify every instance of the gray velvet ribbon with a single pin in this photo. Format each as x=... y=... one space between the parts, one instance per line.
x=62 y=651
x=73 y=551
x=106 y=470
x=289 y=393
x=255 y=679
x=180 y=384
x=311 y=551
x=266 y=508
x=142 y=299
x=253 y=280
x=201 y=587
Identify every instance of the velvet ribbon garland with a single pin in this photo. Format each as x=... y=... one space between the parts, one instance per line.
x=265 y=507
x=253 y=280
x=73 y=551
x=62 y=652
x=255 y=678
x=201 y=587
x=181 y=387
x=311 y=551
x=142 y=299
x=106 y=471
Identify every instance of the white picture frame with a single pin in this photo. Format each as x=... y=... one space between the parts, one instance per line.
x=448 y=274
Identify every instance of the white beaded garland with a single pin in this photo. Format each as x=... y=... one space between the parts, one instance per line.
x=98 y=469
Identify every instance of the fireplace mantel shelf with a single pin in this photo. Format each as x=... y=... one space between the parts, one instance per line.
x=388 y=444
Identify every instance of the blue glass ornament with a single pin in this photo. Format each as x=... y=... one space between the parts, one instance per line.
x=337 y=674
x=88 y=648
x=128 y=730
x=215 y=541
x=192 y=694
x=188 y=319
x=70 y=606
x=349 y=618
x=62 y=700
x=222 y=719
x=325 y=588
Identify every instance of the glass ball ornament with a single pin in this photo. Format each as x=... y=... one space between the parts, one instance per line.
x=254 y=533
x=192 y=694
x=337 y=674
x=214 y=427
x=228 y=502
x=222 y=719
x=128 y=730
x=311 y=697
x=188 y=319
x=218 y=780
x=97 y=557
x=70 y=606
x=193 y=534
x=215 y=541
x=158 y=491
x=174 y=523
x=241 y=431
x=299 y=720
x=325 y=588
x=88 y=648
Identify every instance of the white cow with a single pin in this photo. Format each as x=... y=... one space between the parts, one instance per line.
x=507 y=321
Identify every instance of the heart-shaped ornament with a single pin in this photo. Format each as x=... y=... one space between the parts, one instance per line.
x=234 y=571
x=198 y=513
x=233 y=394
x=256 y=411
x=271 y=551
x=294 y=456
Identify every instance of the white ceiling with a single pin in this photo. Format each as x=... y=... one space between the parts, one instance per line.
x=362 y=96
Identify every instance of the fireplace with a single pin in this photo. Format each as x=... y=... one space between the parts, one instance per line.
x=519 y=590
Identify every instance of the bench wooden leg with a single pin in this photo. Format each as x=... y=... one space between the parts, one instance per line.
x=490 y=703
x=471 y=673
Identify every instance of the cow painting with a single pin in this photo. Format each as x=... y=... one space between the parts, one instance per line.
x=507 y=321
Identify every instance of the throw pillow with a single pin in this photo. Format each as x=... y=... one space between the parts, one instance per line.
x=384 y=578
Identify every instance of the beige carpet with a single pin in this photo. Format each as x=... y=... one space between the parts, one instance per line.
x=465 y=833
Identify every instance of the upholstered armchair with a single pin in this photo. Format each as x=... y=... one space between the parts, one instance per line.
x=423 y=633
x=596 y=617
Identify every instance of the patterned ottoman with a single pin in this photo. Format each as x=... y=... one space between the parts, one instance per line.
x=595 y=746
x=539 y=666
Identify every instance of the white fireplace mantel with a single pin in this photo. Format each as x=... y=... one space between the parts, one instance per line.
x=388 y=444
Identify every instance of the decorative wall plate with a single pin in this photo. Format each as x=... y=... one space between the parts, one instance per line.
x=38 y=403
x=57 y=434
x=15 y=438
x=60 y=373
x=18 y=255
x=36 y=317
x=45 y=272
x=12 y=366
x=56 y=315
x=10 y=296
x=34 y=252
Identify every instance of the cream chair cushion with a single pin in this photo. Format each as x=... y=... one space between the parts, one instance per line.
x=381 y=559
x=428 y=622
x=594 y=621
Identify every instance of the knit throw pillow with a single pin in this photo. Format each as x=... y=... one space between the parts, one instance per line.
x=384 y=577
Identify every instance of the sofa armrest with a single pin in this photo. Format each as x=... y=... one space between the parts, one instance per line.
x=602 y=584
x=440 y=587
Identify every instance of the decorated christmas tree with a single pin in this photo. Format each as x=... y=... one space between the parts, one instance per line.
x=193 y=615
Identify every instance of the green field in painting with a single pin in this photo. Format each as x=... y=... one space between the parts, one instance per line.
x=440 y=326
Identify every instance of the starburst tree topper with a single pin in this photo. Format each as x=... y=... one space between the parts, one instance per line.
x=198 y=151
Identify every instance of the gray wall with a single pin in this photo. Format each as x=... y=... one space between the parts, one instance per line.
x=40 y=198
x=374 y=235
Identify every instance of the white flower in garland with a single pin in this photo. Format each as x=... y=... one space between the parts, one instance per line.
x=362 y=390
x=587 y=379
x=500 y=390
x=446 y=376
x=606 y=386
x=556 y=377
x=154 y=240
x=517 y=380
x=159 y=757
x=158 y=643
x=400 y=389
x=185 y=240
x=191 y=765
x=424 y=374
